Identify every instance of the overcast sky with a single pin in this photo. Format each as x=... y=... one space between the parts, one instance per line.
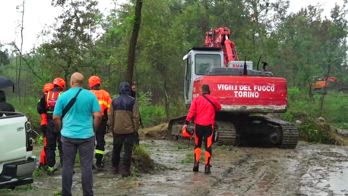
x=39 y=14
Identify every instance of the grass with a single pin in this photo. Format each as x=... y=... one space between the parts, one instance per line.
x=189 y=158
x=142 y=162
x=307 y=111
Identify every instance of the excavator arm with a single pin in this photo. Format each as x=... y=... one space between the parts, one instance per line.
x=219 y=38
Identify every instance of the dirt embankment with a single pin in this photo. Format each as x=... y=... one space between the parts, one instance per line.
x=309 y=169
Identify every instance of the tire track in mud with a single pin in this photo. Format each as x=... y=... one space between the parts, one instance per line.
x=258 y=172
x=304 y=171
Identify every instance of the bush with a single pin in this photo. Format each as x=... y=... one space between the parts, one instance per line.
x=306 y=110
x=27 y=106
x=311 y=131
x=150 y=114
x=336 y=107
x=142 y=161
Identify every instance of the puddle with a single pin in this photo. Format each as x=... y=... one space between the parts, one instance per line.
x=337 y=181
x=327 y=172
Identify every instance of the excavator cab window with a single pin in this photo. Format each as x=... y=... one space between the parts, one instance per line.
x=205 y=62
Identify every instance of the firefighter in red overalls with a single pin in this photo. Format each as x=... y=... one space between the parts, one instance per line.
x=46 y=106
x=43 y=126
x=202 y=110
x=104 y=100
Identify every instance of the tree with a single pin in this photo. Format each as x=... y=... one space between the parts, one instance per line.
x=73 y=39
x=19 y=68
x=133 y=40
x=4 y=58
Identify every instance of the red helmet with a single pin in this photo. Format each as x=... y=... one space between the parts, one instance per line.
x=93 y=81
x=47 y=87
x=59 y=82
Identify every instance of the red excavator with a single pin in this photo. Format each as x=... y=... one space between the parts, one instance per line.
x=246 y=95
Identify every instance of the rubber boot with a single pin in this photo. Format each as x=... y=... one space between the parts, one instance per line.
x=196 y=166
x=99 y=164
x=207 y=169
x=125 y=171
x=115 y=170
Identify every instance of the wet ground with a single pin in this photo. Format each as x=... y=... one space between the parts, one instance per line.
x=310 y=169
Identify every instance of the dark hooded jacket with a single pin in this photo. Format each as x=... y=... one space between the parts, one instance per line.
x=124 y=112
x=3 y=105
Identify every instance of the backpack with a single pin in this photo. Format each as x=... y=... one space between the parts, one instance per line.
x=51 y=99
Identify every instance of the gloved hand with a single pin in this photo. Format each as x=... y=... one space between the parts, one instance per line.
x=186 y=132
x=184 y=128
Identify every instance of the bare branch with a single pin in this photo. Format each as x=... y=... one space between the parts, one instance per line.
x=26 y=61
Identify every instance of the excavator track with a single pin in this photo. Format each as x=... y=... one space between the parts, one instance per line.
x=227 y=133
x=255 y=130
x=290 y=134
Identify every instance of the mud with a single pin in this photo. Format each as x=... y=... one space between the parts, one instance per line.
x=310 y=169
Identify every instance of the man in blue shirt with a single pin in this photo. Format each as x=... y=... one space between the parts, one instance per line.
x=77 y=132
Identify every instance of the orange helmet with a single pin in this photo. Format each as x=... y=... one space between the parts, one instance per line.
x=47 y=87
x=93 y=80
x=59 y=82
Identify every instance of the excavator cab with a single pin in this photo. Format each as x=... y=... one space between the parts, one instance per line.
x=210 y=61
x=199 y=61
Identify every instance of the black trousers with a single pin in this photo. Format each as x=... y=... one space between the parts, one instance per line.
x=127 y=142
x=53 y=138
x=203 y=134
x=100 y=138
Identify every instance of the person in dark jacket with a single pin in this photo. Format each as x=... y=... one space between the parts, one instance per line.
x=202 y=110
x=124 y=123
x=4 y=106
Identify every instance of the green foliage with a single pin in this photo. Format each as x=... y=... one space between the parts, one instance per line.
x=150 y=114
x=307 y=111
x=38 y=172
x=336 y=107
x=28 y=107
x=72 y=40
x=190 y=158
x=39 y=140
x=142 y=162
x=311 y=131
x=4 y=57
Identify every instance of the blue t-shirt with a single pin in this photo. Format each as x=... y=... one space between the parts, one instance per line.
x=78 y=121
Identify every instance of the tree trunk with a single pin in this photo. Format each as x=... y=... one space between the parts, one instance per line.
x=310 y=91
x=133 y=41
x=166 y=99
x=324 y=90
x=21 y=52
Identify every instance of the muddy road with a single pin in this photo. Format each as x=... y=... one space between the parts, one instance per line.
x=310 y=169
